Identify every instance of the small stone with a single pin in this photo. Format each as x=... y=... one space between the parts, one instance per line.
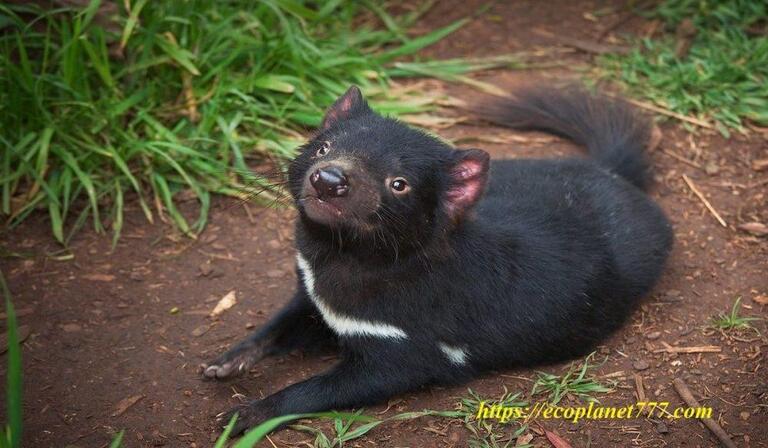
x=250 y=325
x=661 y=428
x=201 y=330
x=744 y=415
x=653 y=335
x=641 y=364
x=71 y=328
x=274 y=244
x=205 y=269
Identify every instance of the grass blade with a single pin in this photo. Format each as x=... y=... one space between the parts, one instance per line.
x=224 y=437
x=417 y=44
x=117 y=442
x=130 y=24
x=13 y=388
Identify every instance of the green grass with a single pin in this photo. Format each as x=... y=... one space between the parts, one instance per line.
x=732 y=320
x=117 y=442
x=343 y=431
x=575 y=381
x=179 y=97
x=491 y=433
x=722 y=79
x=346 y=426
x=10 y=433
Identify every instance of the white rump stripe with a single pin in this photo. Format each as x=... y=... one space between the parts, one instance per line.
x=344 y=325
x=455 y=354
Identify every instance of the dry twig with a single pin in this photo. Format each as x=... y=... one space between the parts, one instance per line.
x=704 y=200
x=669 y=113
x=696 y=349
x=677 y=156
x=639 y=387
x=685 y=393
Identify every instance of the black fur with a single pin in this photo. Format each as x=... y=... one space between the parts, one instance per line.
x=612 y=132
x=549 y=261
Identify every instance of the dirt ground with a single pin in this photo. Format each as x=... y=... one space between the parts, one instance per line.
x=132 y=325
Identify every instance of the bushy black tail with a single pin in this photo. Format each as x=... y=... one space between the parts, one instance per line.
x=614 y=134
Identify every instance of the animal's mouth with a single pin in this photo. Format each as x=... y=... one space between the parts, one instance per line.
x=320 y=210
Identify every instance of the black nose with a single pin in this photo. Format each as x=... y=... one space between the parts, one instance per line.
x=329 y=182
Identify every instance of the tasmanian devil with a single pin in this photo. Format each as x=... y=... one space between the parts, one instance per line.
x=428 y=264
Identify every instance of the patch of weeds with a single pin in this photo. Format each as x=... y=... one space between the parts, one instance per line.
x=575 y=381
x=170 y=101
x=732 y=320
x=717 y=70
x=351 y=426
x=347 y=426
x=491 y=433
x=343 y=428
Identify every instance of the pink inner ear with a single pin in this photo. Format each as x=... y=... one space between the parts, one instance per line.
x=467 y=169
x=468 y=182
x=346 y=104
x=337 y=112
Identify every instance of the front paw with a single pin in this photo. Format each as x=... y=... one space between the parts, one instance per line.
x=232 y=363
x=249 y=415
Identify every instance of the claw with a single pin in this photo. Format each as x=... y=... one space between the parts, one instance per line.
x=234 y=362
x=211 y=371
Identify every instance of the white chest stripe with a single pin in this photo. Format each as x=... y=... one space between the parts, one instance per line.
x=343 y=325
x=455 y=354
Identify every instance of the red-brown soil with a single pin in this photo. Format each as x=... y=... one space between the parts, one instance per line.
x=110 y=326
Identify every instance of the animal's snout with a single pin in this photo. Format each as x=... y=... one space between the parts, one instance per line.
x=329 y=182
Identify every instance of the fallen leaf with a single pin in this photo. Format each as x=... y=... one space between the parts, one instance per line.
x=524 y=440
x=99 y=277
x=126 y=403
x=556 y=441
x=760 y=164
x=755 y=228
x=226 y=302
x=762 y=299
x=22 y=333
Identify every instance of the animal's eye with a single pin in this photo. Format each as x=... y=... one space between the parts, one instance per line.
x=399 y=185
x=323 y=149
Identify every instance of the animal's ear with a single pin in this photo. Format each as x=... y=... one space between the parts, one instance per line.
x=467 y=176
x=349 y=105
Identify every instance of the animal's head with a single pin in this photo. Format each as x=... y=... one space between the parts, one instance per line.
x=381 y=182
